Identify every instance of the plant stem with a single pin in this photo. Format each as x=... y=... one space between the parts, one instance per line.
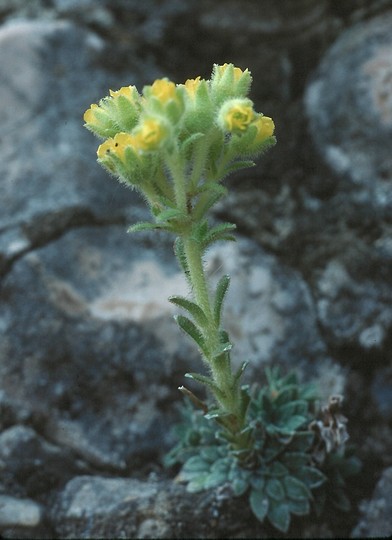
x=229 y=396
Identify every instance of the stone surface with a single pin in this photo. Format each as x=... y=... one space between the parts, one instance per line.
x=90 y=358
x=51 y=80
x=349 y=106
x=19 y=512
x=376 y=518
x=99 y=361
x=127 y=508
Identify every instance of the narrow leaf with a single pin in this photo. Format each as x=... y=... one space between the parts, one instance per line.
x=143 y=226
x=191 y=329
x=203 y=379
x=238 y=165
x=191 y=307
x=180 y=254
x=170 y=213
x=220 y=232
x=221 y=290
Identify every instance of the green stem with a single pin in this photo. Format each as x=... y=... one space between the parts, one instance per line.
x=220 y=365
x=178 y=175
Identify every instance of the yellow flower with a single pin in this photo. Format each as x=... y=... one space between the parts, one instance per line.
x=265 y=127
x=105 y=148
x=125 y=91
x=164 y=90
x=191 y=86
x=89 y=116
x=150 y=135
x=238 y=117
x=117 y=145
x=237 y=72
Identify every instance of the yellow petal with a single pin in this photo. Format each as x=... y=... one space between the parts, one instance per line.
x=163 y=89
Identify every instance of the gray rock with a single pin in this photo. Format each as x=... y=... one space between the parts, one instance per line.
x=19 y=512
x=93 y=348
x=50 y=178
x=376 y=519
x=32 y=467
x=94 y=507
x=349 y=104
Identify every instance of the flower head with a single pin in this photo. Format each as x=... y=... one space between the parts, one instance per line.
x=125 y=91
x=90 y=116
x=117 y=145
x=191 y=86
x=164 y=90
x=236 y=115
x=151 y=134
x=265 y=128
x=237 y=72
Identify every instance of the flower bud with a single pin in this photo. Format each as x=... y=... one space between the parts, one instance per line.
x=98 y=120
x=151 y=134
x=236 y=115
x=228 y=81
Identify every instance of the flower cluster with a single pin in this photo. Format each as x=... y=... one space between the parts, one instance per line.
x=199 y=130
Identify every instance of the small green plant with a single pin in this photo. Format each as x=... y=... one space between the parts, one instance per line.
x=175 y=143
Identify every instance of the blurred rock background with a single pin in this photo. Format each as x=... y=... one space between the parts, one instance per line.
x=90 y=358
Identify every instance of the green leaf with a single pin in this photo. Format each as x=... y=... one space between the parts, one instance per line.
x=239 y=486
x=198 y=483
x=191 y=329
x=219 y=232
x=238 y=165
x=210 y=454
x=143 y=226
x=279 y=515
x=257 y=482
x=299 y=507
x=189 y=141
x=293 y=423
x=277 y=469
x=215 y=479
x=180 y=254
x=311 y=476
x=170 y=213
x=192 y=308
x=195 y=464
x=294 y=460
x=221 y=290
x=274 y=489
x=295 y=489
x=297 y=407
x=287 y=395
x=203 y=379
x=259 y=504
x=302 y=441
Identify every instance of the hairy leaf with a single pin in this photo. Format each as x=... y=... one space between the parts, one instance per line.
x=191 y=329
x=192 y=308
x=221 y=290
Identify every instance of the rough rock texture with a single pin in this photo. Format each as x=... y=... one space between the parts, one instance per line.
x=376 y=518
x=90 y=358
